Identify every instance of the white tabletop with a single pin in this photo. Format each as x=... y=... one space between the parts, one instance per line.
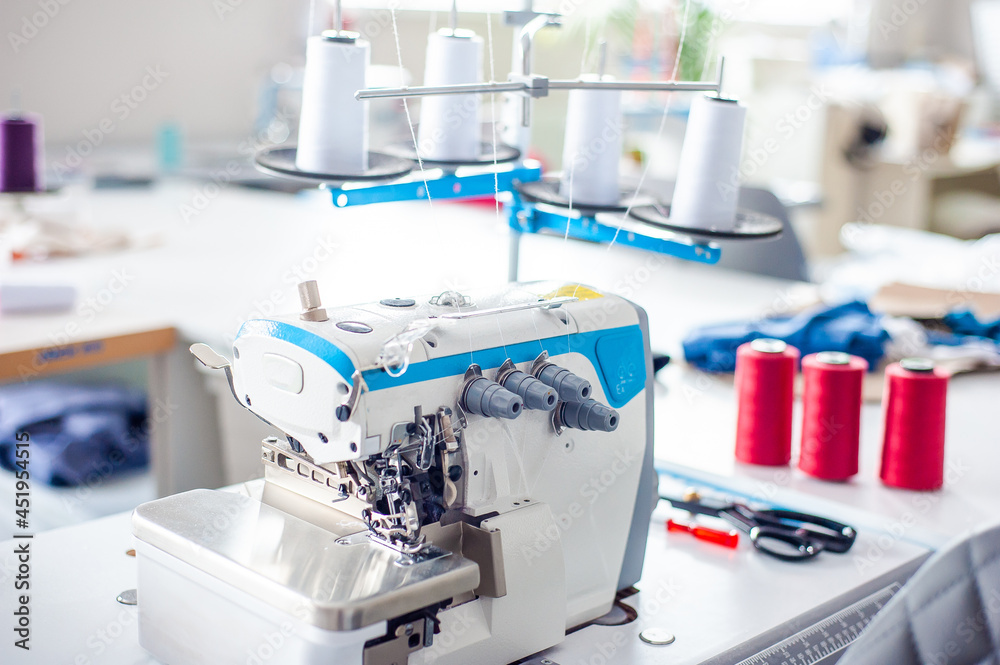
x=711 y=598
x=695 y=430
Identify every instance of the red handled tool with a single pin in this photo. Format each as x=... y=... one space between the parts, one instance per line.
x=728 y=539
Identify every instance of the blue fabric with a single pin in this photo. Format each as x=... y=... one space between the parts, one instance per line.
x=940 y=338
x=850 y=327
x=964 y=322
x=79 y=434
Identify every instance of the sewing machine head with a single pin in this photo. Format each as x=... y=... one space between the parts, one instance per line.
x=381 y=397
x=506 y=431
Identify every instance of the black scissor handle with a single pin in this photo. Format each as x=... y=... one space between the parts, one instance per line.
x=804 y=547
x=828 y=534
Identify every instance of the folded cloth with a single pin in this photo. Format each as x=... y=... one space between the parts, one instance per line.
x=850 y=327
x=79 y=434
x=964 y=322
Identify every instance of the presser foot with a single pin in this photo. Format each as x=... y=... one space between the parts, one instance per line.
x=409 y=554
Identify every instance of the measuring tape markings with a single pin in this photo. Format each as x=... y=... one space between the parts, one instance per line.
x=797 y=649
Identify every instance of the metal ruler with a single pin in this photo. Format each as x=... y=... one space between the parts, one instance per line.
x=823 y=641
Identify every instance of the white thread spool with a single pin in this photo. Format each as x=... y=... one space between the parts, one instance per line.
x=708 y=175
x=450 y=125
x=333 y=129
x=592 y=148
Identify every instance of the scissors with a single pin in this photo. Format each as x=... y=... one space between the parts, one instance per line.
x=783 y=534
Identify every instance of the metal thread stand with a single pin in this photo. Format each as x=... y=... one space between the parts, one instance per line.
x=464 y=182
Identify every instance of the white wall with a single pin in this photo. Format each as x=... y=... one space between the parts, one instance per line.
x=72 y=59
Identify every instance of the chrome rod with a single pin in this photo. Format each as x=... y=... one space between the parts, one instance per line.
x=425 y=90
x=517 y=86
x=665 y=86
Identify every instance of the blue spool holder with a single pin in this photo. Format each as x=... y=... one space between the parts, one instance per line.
x=523 y=217
x=526 y=217
x=461 y=183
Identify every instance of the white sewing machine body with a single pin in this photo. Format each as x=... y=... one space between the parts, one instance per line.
x=398 y=524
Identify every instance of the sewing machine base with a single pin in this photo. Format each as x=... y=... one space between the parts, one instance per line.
x=228 y=579
x=275 y=582
x=246 y=629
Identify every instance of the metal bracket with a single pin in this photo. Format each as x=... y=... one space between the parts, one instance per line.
x=557 y=423
x=345 y=410
x=463 y=418
x=533 y=85
x=474 y=372
x=538 y=363
x=279 y=458
x=505 y=370
x=517 y=19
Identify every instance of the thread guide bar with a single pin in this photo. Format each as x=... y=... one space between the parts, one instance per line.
x=538 y=86
x=540 y=304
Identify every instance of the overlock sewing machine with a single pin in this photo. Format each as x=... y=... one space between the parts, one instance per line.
x=463 y=479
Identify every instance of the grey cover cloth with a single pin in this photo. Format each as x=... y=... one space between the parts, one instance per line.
x=948 y=613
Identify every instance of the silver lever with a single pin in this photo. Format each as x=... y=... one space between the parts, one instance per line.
x=211 y=359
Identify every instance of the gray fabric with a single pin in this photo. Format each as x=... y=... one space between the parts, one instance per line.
x=780 y=257
x=947 y=614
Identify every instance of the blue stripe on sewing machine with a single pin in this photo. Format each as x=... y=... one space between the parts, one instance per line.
x=465 y=183
x=525 y=217
x=320 y=347
x=617 y=353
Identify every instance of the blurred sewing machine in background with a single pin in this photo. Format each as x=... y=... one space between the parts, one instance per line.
x=895 y=153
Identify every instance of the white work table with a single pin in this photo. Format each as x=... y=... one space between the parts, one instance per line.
x=710 y=598
x=699 y=440
x=242 y=254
